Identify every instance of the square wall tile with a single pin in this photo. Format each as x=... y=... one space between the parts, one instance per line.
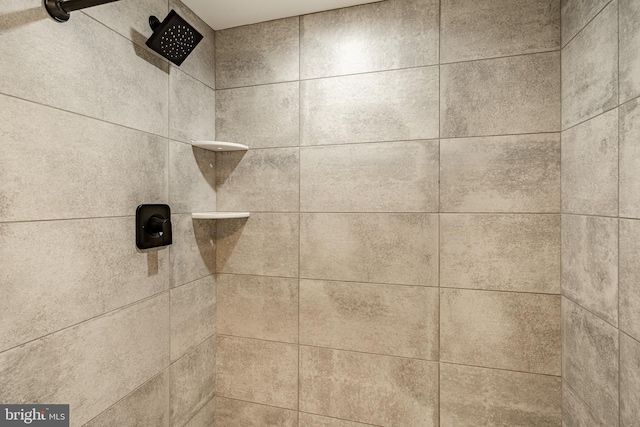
x=388 y=106
x=590 y=167
x=500 y=252
x=630 y=277
x=258 y=307
x=629 y=381
x=629 y=48
x=519 y=94
x=257 y=371
x=380 y=248
x=590 y=69
x=192 y=176
x=576 y=14
x=259 y=116
x=192 y=108
x=500 y=174
x=373 y=37
x=258 y=54
x=193 y=252
x=382 y=319
x=576 y=413
x=590 y=360
x=590 y=264
x=504 y=330
x=480 y=29
x=630 y=159
x=265 y=244
x=471 y=397
x=380 y=177
x=237 y=413
x=372 y=389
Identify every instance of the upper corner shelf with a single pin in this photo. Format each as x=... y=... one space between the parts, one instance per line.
x=219 y=215
x=220 y=146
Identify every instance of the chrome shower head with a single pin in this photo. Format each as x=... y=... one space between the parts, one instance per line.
x=173 y=38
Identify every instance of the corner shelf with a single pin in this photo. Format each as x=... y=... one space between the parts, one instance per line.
x=220 y=146
x=219 y=215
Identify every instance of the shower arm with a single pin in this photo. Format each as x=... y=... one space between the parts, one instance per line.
x=60 y=9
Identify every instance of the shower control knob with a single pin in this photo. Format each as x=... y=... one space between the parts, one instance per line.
x=153 y=226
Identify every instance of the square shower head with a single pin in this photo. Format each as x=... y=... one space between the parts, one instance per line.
x=173 y=38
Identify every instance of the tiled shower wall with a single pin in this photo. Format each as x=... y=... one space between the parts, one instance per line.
x=401 y=266
x=92 y=125
x=601 y=212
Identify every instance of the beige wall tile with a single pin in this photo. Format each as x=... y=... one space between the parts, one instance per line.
x=258 y=54
x=51 y=171
x=88 y=70
x=630 y=160
x=374 y=37
x=629 y=381
x=383 y=319
x=590 y=360
x=264 y=244
x=590 y=167
x=382 y=248
x=629 y=48
x=389 y=106
x=193 y=252
x=192 y=176
x=590 y=264
x=92 y=365
x=575 y=413
x=505 y=330
x=479 y=29
x=257 y=371
x=260 y=180
x=380 y=177
x=501 y=96
x=368 y=388
x=258 y=307
x=630 y=277
x=310 y=420
x=193 y=382
x=259 y=116
x=500 y=252
x=236 y=413
x=590 y=69
x=193 y=315
x=489 y=397
x=500 y=174
x=576 y=14
x=54 y=264
x=206 y=416
x=192 y=108
x=146 y=406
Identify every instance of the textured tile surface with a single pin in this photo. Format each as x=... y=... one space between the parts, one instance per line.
x=45 y=167
x=192 y=108
x=206 y=416
x=382 y=319
x=576 y=14
x=64 y=269
x=236 y=413
x=629 y=381
x=501 y=96
x=257 y=371
x=383 y=248
x=500 y=252
x=77 y=365
x=193 y=379
x=193 y=315
x=590 y=69
x=380 y=177
x=259 y=116
x=193 y=252
x=504 y=330
x=391 y=391
x=260 y=180
x=389 y=106
x=478 y=29
x=478 y=396
x=630 y=160
x=310 y=420
x=575 y=413
x=629 y=47
x=258 y=307
x=500 y=174
x=630 y=277
x=265 y=244
x=374 y=37
x=590 y=264
x=258 y=54
x=590 y=166
x=590 y=360
x=192 y=175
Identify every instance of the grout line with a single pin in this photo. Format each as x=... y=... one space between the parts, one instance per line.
x=199 y=410
x=619 y=222
x=564 y=45
x=439 y=206
x=577 y=395
x=588 y=310
x=298 y=352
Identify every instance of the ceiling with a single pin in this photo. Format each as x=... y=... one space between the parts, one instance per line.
x=221 y=14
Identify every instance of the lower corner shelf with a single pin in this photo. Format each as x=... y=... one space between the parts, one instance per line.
x=219 y=215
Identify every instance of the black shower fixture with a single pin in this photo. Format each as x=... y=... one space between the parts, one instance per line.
x=60 y=9
x=173 y=38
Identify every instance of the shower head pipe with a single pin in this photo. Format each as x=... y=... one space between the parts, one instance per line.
x=60 y=9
